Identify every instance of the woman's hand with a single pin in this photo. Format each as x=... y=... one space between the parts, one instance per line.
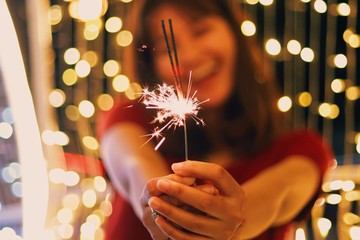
x=151 y=190
x=218 y=216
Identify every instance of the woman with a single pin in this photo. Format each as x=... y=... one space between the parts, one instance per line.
x=254 y=178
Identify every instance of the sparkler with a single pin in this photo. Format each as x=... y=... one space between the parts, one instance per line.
x=171 y=103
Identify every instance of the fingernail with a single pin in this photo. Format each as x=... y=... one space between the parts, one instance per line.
x=163 y=184
x=153 y=202
x=176 y=166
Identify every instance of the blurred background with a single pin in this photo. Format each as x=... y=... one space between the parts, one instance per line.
x=61 y=64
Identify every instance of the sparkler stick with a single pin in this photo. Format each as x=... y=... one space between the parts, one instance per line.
x=171 y=102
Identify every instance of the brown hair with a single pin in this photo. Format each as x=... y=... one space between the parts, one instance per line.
x=250 y=118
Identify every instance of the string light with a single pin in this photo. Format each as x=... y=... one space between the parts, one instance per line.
x=88 y=71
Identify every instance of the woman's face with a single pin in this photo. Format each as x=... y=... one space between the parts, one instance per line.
x=205 y=46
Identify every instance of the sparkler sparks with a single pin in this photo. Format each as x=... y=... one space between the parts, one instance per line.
x=171 y=103
x=173 y=108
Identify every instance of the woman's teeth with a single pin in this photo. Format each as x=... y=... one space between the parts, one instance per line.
x=203 y=71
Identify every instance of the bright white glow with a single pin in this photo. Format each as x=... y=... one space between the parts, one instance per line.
x=320 y=6
x=340 y=61
x=307 y=54
x=300 y=234
x=273 y=47
x=248 y=28
x=284 y=103
x=355 y=232
x=35 y=199
x=324 y=226
x=266 y=2
x=343 y=9
x=294 y=47
x=90 y=9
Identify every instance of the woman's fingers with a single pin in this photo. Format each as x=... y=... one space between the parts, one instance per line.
x=151 y=188
x=203 y=201
x=178 y=217
x=214 y=173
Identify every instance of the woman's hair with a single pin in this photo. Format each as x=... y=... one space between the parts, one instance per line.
x=250 y=119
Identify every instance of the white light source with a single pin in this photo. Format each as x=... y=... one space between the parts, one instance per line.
x=34 y=179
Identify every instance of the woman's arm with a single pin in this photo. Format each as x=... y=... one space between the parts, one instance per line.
x=129 y=163
x=278 y=194
x=272 y=197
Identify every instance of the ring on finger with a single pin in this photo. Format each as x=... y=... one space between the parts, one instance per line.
x=154 y=214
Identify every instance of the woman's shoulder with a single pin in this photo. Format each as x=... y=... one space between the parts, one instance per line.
x=305 y=142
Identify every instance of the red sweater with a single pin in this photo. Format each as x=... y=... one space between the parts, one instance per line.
x=123 y=223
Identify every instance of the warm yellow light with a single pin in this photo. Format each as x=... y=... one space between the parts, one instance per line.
x=87 y=10
x=327 y=110
x=294 y=47
x=94 y=219
x=307 y=54
x=61 y=138
x=71 y=56
x=65 y=231
x=348 y=186
x=89 y=198
x=71 y=178
x=105 y=102
x=124 y=38
x=71 y=201
x=273 y=47
x=338 y=85
x=252 y=2
x=113 y=24
x=91 y=32
x=248 y=28
x=64 y=215
x=357 y=138
x=266 y=2
x=305 y=99
x=72 y=113
x=56 y=175
x=91 y=57
x=354 y=41
x=57 y=98
x=333 y=199
x=111 y=68
x=86 y=108
x=87 y=231
x=347 y=34
x=69 y=77
x=134 y=90
x=353 y=93
x=54 y=14
x=82 y=68
x=106 y=208
x=100 y=184
x=121 y=83
x=284 y=104
x=90 y=142
x=350 y=218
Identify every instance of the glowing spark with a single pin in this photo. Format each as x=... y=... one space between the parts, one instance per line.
x=172 y=107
